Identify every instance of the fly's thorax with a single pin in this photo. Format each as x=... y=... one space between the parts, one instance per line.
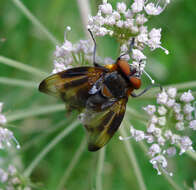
x=114 y=84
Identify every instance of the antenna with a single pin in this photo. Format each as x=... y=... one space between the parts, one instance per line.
x=95 y=45
x=130 y=48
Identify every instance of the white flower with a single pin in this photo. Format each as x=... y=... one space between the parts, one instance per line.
x=160 y=161
x=128 y=14
x=180 y=126
x=11 y=170
x=106 y=8
x=58 y=67
x=59 y=52
x=185 y=144
x=168 y=134
x=179 y=117
x=141 y=19
x=137 y=6
x=157 y=132
x=149 y=139
x=138 y=55
x=154 y=149
x=162 y=110
x=3 y=119
x=151 y=128
x=3 y=176
x=120 y=23
x=154 y=38
x=170 y=102
x=139 y=135
x=161 y=140
x=67 y=46
x=154 y=119
x=175 y=139
x=192 y=124
x=110 y=20
x=162 y=121
x=121 y=7
x=150 y=109
x=171 y=151
x=151 y=9
x=6 y=137
x=116 y=15
x=142 y=37
x=103 y=31
x=177 y=108
x=187 y=97
x=188 y=108
x=162 y=97
x=172 y=92
x=1 y=106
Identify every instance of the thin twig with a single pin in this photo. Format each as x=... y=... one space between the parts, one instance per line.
x=133 y=160
x=18 y=115
x=100 y=169
x=84 y=8
x=180 y=86
x=49 y=147
x=22 y=66
x=72 y=164
x=35 y=21
x=18 y=82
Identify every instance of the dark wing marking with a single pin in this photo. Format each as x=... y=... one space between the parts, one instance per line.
x=72 y=85
x=101 y=126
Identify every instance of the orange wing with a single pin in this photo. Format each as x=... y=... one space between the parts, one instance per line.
x=72 y=85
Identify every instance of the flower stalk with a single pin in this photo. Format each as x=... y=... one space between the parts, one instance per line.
x=49 y=147
x=35 y=21
x=100 y=170
x=132 y=158
x=22 y=66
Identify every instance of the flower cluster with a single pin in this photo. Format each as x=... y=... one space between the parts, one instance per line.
x=10 y=179
x=6 y=136
x=67 y=55
x=125 y=23
x=168 y=127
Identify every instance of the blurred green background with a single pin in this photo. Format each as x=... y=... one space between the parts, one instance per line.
x=22 y=41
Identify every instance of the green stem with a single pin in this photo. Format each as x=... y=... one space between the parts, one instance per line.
x=72 y=164
x=180 y=86
x=22 y=66
x=133 y=159
x=100 y=169
x=191 y=154
x=84 y=8
x=18 y=82
x=41 y=136
x=171 y=182
x=35 y=21
x=49 y=147
x=18 y=115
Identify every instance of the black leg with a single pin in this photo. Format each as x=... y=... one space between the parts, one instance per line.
x=145 y=90
x=130 y=48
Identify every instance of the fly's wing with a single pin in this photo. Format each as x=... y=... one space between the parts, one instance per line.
x=101 y=126
x=72 y=85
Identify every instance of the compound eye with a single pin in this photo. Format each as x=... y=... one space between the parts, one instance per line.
x=124 y=67
x=136 y=82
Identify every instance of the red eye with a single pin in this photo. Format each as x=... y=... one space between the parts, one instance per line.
x=136 y=82
x=124 y=67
